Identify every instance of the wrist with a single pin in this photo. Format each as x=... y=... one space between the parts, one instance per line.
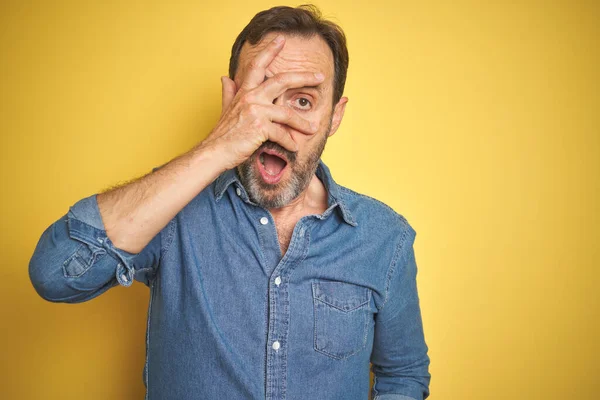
x=211 y=157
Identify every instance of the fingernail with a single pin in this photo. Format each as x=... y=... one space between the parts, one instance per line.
x=319 y=76
x=279 y=39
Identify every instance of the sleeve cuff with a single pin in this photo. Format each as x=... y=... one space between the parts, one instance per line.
x=86 y=210
x=85 y=224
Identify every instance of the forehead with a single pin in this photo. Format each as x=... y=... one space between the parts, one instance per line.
x=298 y=54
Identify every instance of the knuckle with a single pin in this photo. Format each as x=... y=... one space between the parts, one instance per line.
x=280 y=79
x=254 y=64
x=252 y=109
x=257 y=124
x=288 y=114
x=247 y=98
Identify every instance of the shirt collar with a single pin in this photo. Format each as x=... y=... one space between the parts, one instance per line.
x=335 y=195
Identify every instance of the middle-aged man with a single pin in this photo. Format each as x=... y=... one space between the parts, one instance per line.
x=267 y=279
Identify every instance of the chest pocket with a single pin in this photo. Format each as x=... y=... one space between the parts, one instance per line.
x=341 y=312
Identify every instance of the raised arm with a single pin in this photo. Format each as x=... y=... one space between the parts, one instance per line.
x=113 y=237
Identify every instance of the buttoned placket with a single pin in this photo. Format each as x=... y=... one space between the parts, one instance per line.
x=278 y=304
x=278 y=312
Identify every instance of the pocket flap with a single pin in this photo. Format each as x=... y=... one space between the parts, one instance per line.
x=341 y=295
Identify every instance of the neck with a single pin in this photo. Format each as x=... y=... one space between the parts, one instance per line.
x=311 y=200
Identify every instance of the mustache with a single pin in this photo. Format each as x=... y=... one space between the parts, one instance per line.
x=290 y=155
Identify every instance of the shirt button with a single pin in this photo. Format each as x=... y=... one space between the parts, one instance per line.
x=277 y=281
x=264 y=220
x=238 y=191
x=276 y=345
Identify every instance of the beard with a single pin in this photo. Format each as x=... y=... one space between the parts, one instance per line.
x=283 y=192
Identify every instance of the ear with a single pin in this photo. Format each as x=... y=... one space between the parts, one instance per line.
x=338 y=114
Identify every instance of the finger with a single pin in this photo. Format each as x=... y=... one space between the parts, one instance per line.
x=280 y=135
x=256 y=73
x=287 y=116
x=228 y=89
x=274 y=87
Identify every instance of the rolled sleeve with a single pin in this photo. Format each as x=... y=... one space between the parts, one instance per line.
x=75 y=261
x=400 y=362
x=392 y=397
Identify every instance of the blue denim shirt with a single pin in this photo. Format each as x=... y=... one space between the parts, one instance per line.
x=229 y=317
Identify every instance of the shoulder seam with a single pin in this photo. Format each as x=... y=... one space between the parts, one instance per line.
x=397 y=214
x=392 y=268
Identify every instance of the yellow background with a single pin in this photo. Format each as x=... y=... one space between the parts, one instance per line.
x=477 y=121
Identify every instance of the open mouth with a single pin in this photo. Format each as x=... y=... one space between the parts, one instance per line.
x=271 y=165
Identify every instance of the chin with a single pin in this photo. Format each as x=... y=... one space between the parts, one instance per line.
x=269 y=195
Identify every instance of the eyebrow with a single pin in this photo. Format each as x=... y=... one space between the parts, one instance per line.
x=318 y=88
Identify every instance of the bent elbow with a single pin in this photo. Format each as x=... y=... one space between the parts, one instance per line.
x=43 y=277
x=46 y=266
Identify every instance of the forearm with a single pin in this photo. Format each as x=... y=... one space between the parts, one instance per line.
x=134 y=213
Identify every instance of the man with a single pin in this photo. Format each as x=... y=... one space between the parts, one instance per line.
x=267 y=279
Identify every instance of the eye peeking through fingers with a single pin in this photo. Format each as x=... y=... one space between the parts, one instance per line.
x=303 y=103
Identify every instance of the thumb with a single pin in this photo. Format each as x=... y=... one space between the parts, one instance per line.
x=228 y=93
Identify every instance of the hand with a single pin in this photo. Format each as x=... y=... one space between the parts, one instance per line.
x=249 y=117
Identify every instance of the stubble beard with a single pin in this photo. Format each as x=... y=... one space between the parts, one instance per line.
x=283 y=192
